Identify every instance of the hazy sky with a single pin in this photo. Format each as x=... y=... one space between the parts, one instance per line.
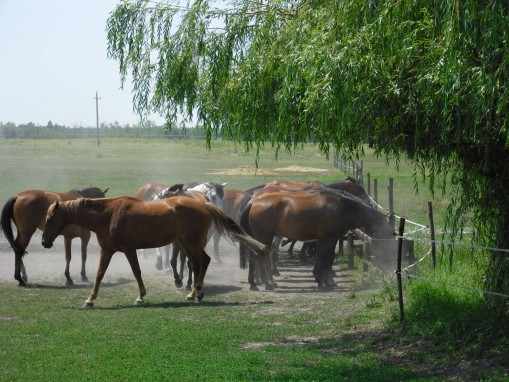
x=52 y=61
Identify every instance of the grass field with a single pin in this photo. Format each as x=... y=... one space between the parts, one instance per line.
x=295 y=334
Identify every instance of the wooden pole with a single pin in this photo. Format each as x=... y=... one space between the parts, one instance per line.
x=375 y=191
x=369 y=183
x=390 y=188
x=432 y=234
x=398 y=269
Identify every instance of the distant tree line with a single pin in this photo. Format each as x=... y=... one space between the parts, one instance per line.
x=52 y=130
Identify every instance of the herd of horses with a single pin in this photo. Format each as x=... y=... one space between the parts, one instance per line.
x=188 y=216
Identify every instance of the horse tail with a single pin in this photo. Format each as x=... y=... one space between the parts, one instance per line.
x=5 y=221
x=227 y=227
x=244 y=224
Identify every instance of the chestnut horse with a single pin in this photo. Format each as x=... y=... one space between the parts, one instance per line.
x=125 y=224
x=27 y=210
x=179 y=275
x=321 y=214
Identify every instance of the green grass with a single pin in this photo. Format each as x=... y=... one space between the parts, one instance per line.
x=234 y=335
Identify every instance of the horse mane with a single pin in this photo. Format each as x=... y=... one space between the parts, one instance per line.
x=74 y=207
x=91 y=192
x=337 y=192
x=176 y=187
x=255 y=188
x=353 y=180
x=219 y=188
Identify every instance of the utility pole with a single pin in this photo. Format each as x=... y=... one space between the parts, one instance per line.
x=97 y=115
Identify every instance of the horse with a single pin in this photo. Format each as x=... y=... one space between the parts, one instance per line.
x=27 y=210
x=154 y=191
x=125 y=224
x=231 y=203
x=179 y=275
x=321 y=214
x=214 y=191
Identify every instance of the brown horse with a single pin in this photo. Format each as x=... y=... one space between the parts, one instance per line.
x=321 y=214
x=179 y=275
x=125 y=224
x=291 y=185
x=27 y=210
x=150 y=191
x=154 y=191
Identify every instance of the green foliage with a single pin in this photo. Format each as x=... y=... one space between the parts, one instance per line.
x=450 y=311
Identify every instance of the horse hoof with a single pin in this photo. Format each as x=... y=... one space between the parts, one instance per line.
x=84 y=279
x=189 y=287
x=69 y=283
x=269 y=287
x=200 y=296
x=21 y=282
x=254 y=288
x=88 y=305
x=190 y=297
x=178 y=283
x=138 y=302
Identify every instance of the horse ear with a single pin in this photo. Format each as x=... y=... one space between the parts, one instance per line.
x=56 y=205
x=106 y=190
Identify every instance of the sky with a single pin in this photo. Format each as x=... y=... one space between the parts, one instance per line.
x=53 y=59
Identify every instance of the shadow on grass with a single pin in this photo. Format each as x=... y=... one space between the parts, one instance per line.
x=119 y=282
x=183 y=304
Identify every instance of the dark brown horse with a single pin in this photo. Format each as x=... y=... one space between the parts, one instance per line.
x=321 y=214
x=27 y=210
x=125 y=224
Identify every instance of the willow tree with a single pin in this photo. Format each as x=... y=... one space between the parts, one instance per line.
x=424 y=79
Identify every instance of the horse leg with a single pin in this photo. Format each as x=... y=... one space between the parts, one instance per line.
x=19 y=268
x=275 y=256
x=326 y=253
x=270 y=284
x=159 y=260
x=104 y=261
x=132 y=257
x=67 y=245
x=166 y=263
x=173 y=263
x=85 y=238
x=200 y=269
x=190 y=271
x=22 y=239
x=251 y=273
x=290 y=248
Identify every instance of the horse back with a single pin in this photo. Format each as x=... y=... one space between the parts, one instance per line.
x=295 y=215
x=148 y=191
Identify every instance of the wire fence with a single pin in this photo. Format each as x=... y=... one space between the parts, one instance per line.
x=419 y=234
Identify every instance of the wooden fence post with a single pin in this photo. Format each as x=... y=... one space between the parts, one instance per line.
x=398 y=269
x=375 y=191
x=369 y=183
x=432 y=234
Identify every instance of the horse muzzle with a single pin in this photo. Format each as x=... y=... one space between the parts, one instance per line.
x=47 y=244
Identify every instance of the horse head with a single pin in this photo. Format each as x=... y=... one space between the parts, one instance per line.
x=55 y=223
